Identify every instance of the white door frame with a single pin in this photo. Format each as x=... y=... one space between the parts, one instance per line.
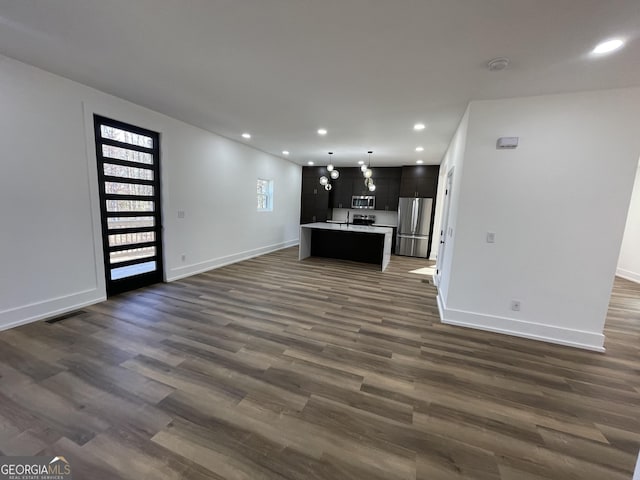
x=444 y=225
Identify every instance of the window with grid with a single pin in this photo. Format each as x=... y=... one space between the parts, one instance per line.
x=265 y=195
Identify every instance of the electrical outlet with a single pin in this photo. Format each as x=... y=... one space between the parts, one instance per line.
x=515 y=305
x=180 y=213
x=183 y=257
x=491 y=237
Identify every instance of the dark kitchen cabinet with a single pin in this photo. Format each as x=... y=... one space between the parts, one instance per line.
x=419 y=181
x=387 y=181
x=391 y=184
x=358 y=187
x=340 y=195
x=314 y=208
x=393 y=195
x=351 y=182
x=310 y=182
x=315 y=199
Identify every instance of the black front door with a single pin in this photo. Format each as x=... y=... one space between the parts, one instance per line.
x=129 y=181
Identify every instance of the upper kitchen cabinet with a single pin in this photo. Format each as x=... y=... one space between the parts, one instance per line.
x=340 y=195
x=387 y=192
x=419 y=181
x=391 y=183
x=357 y=184
x=351 y=182
x=315 y=199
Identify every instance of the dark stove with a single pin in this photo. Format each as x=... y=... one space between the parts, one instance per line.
x=359 y=219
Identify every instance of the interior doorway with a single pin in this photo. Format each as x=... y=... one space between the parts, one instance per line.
x=623 y=316
x=129 y=184
x=445 y=232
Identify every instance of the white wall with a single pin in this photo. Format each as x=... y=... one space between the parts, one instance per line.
x=629 y=261
x=50 y=250
x=452 y=162
x=557 y=205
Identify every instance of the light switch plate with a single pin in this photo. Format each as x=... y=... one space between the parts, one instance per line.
x=491 y=237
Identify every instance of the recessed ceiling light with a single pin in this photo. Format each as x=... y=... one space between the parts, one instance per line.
x=285 y=152
x=498 y=64
x=361 y=162
x=419 y=126
x=309 y=163
x=246 y=135
x=419 y=149
x=608 y=46
x=322 y=131
x=419 y=162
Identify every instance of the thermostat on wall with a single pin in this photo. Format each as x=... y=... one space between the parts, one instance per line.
x=507 y=142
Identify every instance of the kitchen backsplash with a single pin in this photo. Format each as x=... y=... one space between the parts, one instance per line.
x=383 y=217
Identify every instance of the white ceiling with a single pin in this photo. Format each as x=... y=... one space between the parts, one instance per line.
x=366 y=70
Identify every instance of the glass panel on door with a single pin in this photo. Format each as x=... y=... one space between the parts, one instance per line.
x=129 y=176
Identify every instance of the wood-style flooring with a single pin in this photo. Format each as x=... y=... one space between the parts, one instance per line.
x=322 y=369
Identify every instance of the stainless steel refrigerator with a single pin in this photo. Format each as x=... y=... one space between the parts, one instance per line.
x=414 y=222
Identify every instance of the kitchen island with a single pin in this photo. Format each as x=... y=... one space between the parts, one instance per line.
x=357 y=243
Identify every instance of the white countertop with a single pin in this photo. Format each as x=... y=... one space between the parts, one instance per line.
x=348 y=228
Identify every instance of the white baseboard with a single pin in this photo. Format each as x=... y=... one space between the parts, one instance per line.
x=521 y=328
x=628 y=275
x=200 y=267
x=14 y=317
x=441 y=309
x=53 y=307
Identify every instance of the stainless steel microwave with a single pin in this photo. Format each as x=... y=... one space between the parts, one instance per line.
x=363 y=201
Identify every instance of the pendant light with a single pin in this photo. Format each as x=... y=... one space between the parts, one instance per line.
x=368 y=173
x=333 y=173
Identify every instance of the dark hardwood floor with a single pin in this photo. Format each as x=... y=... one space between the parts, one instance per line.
x=321 y=369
